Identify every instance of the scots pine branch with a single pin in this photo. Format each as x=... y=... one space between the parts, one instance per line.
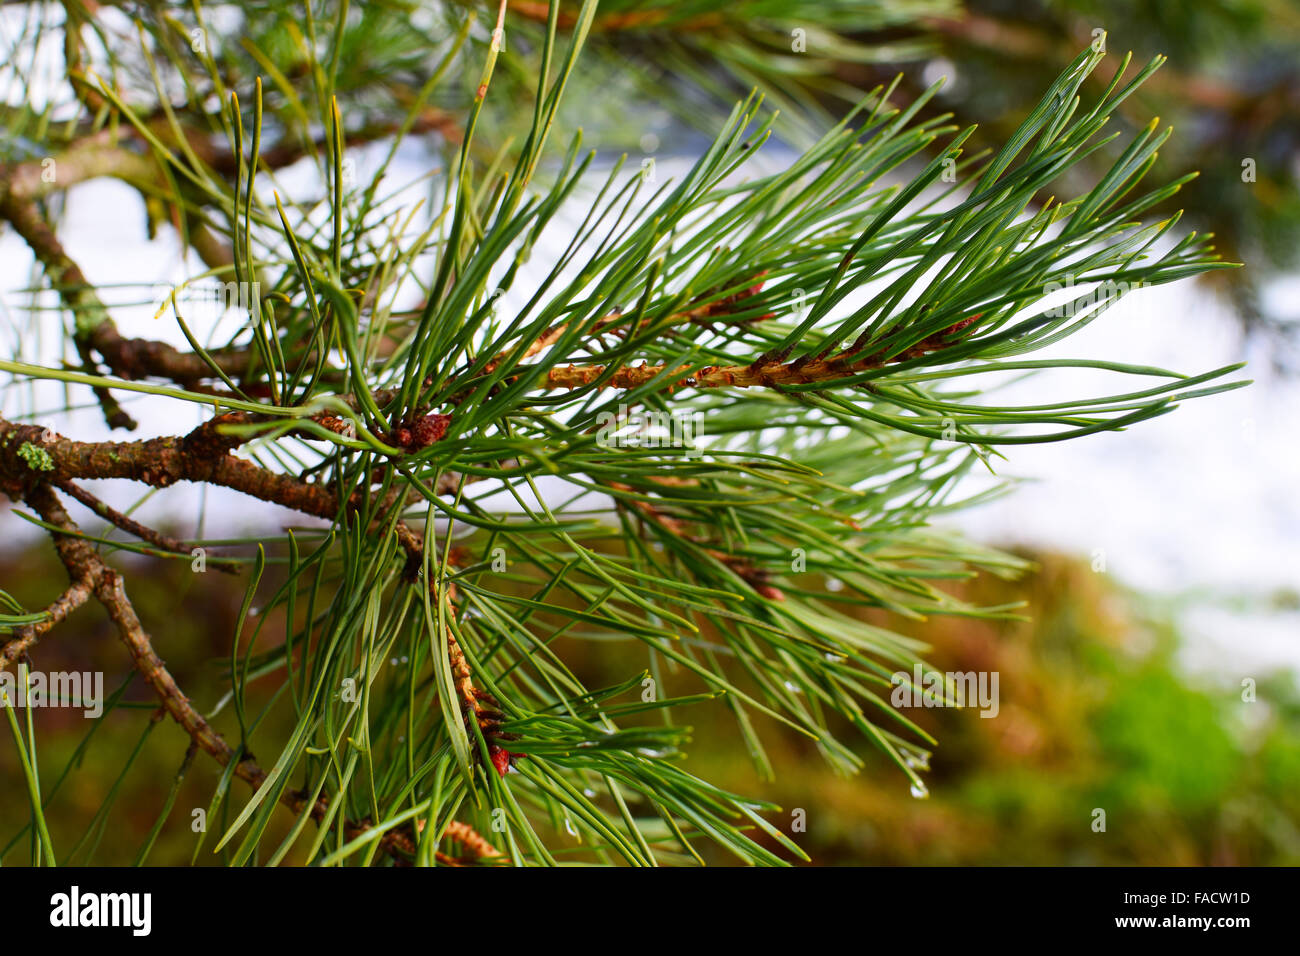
x=457 y=391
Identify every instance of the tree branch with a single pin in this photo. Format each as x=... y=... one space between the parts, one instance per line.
x=131 y=526
x=764 y=373
x=27 y=635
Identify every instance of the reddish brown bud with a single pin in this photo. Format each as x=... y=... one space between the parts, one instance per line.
x=421 y=433
x=429 y=429
x=500 y=758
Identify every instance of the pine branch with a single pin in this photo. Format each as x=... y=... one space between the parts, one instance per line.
x=471 y=371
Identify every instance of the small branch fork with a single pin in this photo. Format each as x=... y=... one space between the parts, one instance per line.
x=160 y=541
x=161 y=462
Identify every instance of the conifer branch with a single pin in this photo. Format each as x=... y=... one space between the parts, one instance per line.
x=826 y=324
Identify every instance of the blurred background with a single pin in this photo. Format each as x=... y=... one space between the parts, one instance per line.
x=1156 y=675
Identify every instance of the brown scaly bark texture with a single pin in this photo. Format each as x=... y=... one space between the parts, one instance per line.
x=764 y=373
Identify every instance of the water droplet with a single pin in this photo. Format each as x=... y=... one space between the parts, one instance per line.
x=792 y=687
x=920 y=792
x=393 y=662
x=568 y=825
x=834 y=584
x=917 y=760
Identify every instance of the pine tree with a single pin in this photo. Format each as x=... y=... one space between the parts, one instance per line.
x=557 y=404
